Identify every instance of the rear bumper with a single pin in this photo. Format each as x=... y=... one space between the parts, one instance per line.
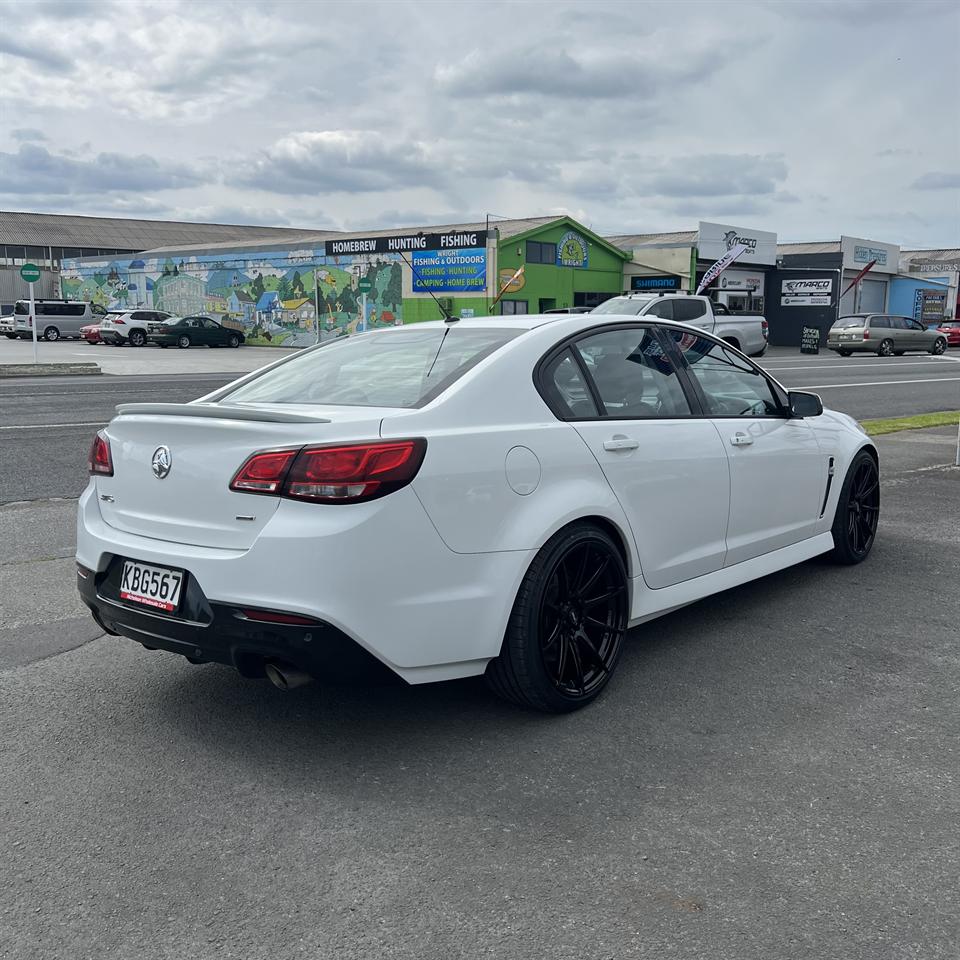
x=377 y=574
x=111 y=336
x=206 y=632
x=854 y=346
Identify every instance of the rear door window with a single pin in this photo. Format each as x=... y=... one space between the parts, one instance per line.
x=687 y=310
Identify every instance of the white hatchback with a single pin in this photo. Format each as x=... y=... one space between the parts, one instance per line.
x=500 y=497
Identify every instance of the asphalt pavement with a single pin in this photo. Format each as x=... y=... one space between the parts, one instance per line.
x=772 y=774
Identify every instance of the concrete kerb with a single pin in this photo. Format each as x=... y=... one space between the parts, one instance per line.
x=49 y=370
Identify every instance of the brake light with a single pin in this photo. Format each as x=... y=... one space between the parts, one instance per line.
x=347 y=473
x=866 y=334
x=100 y=460
x=764 y=328
x=120 y=322
x=263 y=472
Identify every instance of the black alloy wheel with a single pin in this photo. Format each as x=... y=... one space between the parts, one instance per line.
x=568 y=624
x=844 y=353
x=885 y=349
x=137 y=338
x=858 y=511
x=51 y=334
x=183 y=341
x=233 y=340
x=939 y=346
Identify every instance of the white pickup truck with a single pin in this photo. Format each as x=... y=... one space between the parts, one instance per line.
x=748 y=334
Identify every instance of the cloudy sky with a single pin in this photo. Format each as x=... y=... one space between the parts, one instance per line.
x=810 y=118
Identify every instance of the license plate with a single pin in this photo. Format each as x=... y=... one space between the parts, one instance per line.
x=157 y=587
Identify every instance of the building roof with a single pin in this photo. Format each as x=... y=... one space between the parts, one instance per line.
x=627 y=241
x=948 y=256
x=816 y=246
x=62 y=230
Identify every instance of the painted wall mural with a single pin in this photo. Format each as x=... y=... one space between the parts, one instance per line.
x=275 y=297
x=285 y=296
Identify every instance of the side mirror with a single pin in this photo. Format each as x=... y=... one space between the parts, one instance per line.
x=804 y=404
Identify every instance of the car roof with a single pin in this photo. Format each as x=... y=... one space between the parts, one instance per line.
x=534 y=321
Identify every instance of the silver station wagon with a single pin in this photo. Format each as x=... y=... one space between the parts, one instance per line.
x=883 y=334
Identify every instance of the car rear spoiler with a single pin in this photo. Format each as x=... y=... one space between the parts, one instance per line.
x=215 y=411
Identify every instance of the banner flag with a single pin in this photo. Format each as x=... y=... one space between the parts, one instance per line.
x=732 y=254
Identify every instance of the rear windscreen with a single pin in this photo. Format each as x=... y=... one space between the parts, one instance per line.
x=852 y=321
x=395 y=368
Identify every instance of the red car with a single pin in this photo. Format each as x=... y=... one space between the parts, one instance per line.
x=951 y=330
x=91 y=333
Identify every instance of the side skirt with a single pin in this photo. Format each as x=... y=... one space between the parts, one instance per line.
x=648 y=604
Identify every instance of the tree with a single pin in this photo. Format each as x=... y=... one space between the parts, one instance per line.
x=297 y=284
x=393 y=294
x=284 y=290
x=257 y=286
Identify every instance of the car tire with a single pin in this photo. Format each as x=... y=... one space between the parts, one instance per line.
x=845 y=353
x=183 y=341
x=10 y=336
x=233 y=340
x=899 y=353
x=885 y=349
x=51 y=334
x=939 y=347
x=137 y=338
x=549 y=662
x=858 y=511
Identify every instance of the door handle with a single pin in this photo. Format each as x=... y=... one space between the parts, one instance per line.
x=620 y=442
x=741 y=440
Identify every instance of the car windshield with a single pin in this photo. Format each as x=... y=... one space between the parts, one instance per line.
x=403 y=368
x=855 y=320
x=623 y=305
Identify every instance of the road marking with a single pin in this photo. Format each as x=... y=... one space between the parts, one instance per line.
x=878 y=383
x=54 y=426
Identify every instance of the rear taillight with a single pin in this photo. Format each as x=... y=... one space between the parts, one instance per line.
x=263 y=472
x=100 y=461
x=764 y=328
x=866 y=334
x=348 y=473
x=120 y=322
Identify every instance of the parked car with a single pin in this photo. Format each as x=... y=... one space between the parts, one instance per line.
x=951 y=330
x=8 y=325
x=882 y=334
x=517 y=508
x=195 y=331
x=91 y=333
x=748 y=334
x=56 y=319
x=131 y=326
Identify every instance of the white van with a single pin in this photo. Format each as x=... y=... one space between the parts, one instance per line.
x=56 y=318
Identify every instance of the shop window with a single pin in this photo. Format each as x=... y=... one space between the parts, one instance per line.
x=511 y=307
x=541 y=252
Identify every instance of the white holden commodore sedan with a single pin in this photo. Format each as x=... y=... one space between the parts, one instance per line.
x=500 y=496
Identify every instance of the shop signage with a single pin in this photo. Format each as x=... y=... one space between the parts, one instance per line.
x=408 y=243
x=572 y=250
x=655 y=283
x=858 y=252
x=450 y=271
x=933 y=266
x=715 y=239
x=740 y=280
x=512 y=280
x=806 y=287
x=928 y=305
x=807 y=300
x=809 y=339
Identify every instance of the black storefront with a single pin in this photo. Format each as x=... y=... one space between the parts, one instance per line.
x=798 y=297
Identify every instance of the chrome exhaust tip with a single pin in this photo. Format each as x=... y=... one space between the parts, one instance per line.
x=285 y=677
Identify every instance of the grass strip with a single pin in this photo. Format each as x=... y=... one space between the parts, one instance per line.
x=946 y=418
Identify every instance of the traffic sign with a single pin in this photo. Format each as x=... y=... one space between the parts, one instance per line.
x=30 y=272
x=365 y=285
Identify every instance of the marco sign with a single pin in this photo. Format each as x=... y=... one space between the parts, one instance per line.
x=716 y=239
